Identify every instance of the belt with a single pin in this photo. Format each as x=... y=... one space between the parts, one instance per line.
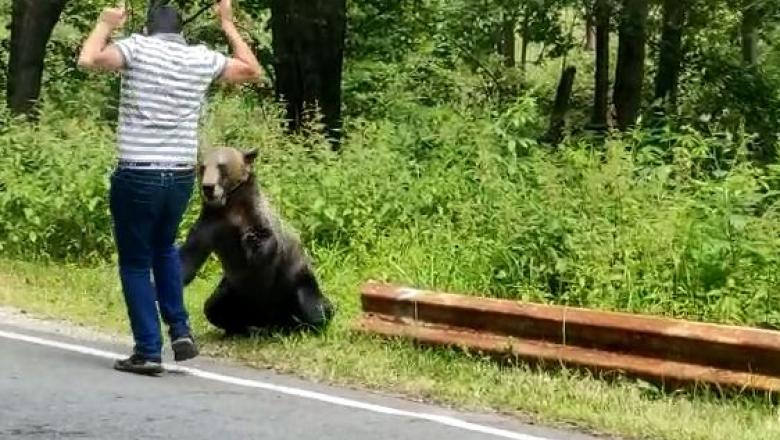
x=156 y=165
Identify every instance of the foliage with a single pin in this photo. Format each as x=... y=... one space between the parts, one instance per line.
x=455 y=199
x=442 y=181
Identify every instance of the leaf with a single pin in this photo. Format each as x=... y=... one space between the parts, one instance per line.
x=738 y=222
x=93 y=204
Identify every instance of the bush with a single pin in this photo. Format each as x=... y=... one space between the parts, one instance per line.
x=452 y=199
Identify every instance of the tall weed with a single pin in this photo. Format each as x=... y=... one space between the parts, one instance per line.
x=452 y=198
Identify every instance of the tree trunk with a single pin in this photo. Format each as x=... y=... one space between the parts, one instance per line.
x=32 y=22
x=670 y=51
x=631 y=62
x=308 y=43
x=561 y=106
x=601 y=97
x=508 y=42
x=751 y=18
x=590 y=30
x=526 y=37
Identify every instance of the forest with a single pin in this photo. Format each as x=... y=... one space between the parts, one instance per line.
x=612 y=154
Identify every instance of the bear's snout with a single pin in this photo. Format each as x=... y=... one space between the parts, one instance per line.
x=208 y=191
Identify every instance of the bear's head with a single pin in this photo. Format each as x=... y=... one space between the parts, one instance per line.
x=223 y=170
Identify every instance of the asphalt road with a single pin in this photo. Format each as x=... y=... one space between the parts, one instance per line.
x=53 y=391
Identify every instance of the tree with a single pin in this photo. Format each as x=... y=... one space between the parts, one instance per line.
x=630 y=71
x=670 y=51
x=308 y=43
x=555 y=131
x=601 y=14
x=508 y=40
x=32 y=22
x=590 y=28
x=526 y=35
x=751 y=19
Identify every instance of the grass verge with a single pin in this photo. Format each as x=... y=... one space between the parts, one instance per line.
x=91 y=296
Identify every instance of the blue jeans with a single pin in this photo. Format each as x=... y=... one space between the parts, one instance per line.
x=147 y=207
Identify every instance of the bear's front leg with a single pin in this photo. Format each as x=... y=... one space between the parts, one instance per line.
x=195 y=251
x=258 y=244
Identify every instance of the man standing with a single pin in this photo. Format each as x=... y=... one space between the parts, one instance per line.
x=164 y=83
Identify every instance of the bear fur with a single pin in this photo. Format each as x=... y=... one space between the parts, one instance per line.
x=268 y=281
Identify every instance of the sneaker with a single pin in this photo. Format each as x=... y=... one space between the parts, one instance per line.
x=184 y=348
x=137 y=363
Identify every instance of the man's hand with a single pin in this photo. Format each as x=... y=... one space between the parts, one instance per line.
x=224 y=10
x=114 y=18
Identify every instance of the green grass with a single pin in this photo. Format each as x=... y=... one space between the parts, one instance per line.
x=455 y=198
x=91 y=296
x=466 y=202
x=444 y=186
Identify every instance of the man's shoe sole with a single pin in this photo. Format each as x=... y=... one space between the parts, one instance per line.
x=184 y=350
x=149 y=370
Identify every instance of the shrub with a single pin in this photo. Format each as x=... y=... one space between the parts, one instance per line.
x=451 y=199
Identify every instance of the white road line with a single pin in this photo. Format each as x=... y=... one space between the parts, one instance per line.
x=311 y=395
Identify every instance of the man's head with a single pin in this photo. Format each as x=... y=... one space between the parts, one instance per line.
x=163 y=19
x=221 y=171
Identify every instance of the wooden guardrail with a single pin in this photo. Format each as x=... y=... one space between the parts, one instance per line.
x=669 y=352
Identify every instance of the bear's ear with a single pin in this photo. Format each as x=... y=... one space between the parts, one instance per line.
x=250 y=156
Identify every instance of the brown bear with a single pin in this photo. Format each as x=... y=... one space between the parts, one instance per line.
x=268 y=281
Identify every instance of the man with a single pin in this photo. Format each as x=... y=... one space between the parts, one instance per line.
x=164 y=82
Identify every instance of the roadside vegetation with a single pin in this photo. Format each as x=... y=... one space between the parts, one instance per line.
x=449 y=177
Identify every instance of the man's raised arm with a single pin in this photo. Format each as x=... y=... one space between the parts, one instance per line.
x=242 y=66
x=97 y=54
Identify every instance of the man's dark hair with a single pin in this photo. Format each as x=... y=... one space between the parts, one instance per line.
x=163 y=19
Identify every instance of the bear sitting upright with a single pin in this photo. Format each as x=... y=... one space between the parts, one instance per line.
x=268 y=281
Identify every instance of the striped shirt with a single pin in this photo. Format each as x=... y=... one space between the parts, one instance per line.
x=164 y=85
